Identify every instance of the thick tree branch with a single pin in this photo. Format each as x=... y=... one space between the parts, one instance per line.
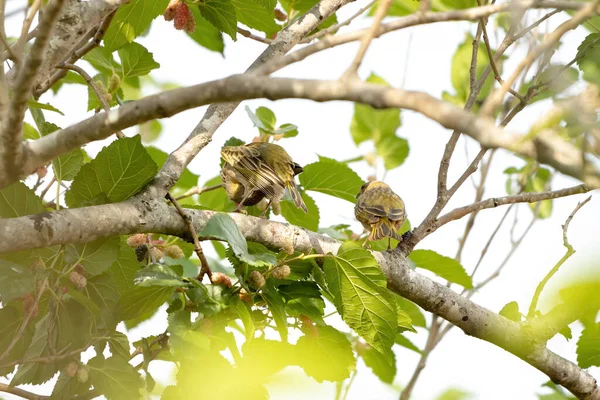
x=144 y=214
x=11 y=135
x=21 y=393
x=546 y=147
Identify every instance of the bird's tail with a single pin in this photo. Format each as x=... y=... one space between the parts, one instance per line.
x=384 y=228
x=296 y=196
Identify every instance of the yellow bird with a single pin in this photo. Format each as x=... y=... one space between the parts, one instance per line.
x=235 y=186
x=380 y=211
x=262 y=167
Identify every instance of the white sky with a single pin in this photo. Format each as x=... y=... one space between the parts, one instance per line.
x=459 y=361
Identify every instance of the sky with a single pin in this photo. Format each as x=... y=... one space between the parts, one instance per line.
x=419 y=59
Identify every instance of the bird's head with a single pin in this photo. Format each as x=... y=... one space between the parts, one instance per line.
x=368 y=186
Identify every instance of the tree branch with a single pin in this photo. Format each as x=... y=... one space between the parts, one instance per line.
x=21 y=393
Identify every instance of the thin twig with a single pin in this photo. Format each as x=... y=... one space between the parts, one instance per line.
x=382 y=10
x=205 y=269
x=495 y=98
x=21 y=393
x=252 y=36
x=8 y=53
x=47 y=187
x=25 y=322
x=3 y=86
x=554 y=270
x=76 y=55
x=334 y=28
x=88 y=79
x=198 y=190
x=20 y=46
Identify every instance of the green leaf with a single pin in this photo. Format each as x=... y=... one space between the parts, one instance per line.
x=115 y=378
x=119 y=345
x=404 y=342
x=511 y=311
x=277 y=308
x=68 y=165
x=557 y=79
x=332 y=178
x=393 y=150
x=43 y=106
x=454 y=394
x=588 y=58
x=131 y=20
x=383 y=368
x=296 y=216
x=143 y=301
x=588 y=346
x=216 y=199
x=566 y=332
x=29 y=132
x=254 y=15
x=15 y=281
x=136 y=60
x=119 y=171
x=150 y=131
x=220 y=13
x=263 y=119
x=36 y=373
x=67 y=387
x=11 y=316
x=414 y=311
x=404 y=321
x=361 y=296
x=244 y=314
x=102 y=81
x=158 y=275
x=102 y=59
x=96 y=257
x=17 y=200
x=206 y=35
x=101 y=290
x=124 y=268
x=326 y=356
x=444 y=267
x=540 y=182
x=303 y=298
x=222 y=226
x=186 y=181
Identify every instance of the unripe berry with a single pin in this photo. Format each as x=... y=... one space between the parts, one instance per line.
x=220 y=278
x=371 y=158
x=41 y=172
x=171 y=10
x=79 y=269
x=156 y=253
x=280 y=15
x=71 y=369
x=173 y=251
x=78 y=280
x=256 y=279
x=182 y=15
x=281 y=272
x=244 y=296
x=83 y=375
x=137 y=239
x=29 y=305
x=190 y=27
x=114 y=83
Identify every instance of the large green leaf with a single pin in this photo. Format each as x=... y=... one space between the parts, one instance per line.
x=588 y=58
x=326 y=356
x=206 y=35
x=332 y=178
x=96 y=257
x=557 y=78
x=220 y=13
x=361 y=296
x=588 y=346
x=445 y=267
x=17 y=200
x=101 y=290
x=15 y=281
x=277 y=308
x=382 y=367
x=115 y=378
x=119 y=171
x=68 y=165
x=296 y=216
x=136 y=60
x=222 y=226
x=254 y=15
x=11 y=317
x=143 y=301
x=393 y=150
x=511 y=311
x=102 y=59
x=131 y=20
x=158 y=275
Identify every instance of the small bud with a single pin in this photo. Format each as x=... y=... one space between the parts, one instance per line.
x=371 y=158
x=71 y=369
x=63 y=289
x=280 y=15
x=36 y=265
x=219 y=278
x=244 y=296
x=41 y=172
x=83 y=375
x=256 y=279
x=182 y=14
x=156 y=253
x=173 y=251
x=29 y=305
x=281 y=272
x=371 y=178
x=77 y=280
x=141 y=252
x=137 y=239
x=79 y=269
x=171 y=10
x=190 y=27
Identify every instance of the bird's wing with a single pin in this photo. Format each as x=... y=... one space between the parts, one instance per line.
x=258 y=173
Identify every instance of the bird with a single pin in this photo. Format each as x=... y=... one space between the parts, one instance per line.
x=380 y=211
x=264 y=168
x=235 y=185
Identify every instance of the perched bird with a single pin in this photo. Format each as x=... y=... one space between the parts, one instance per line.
x=264 y=168
x=235 y=185
x=380 y=211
